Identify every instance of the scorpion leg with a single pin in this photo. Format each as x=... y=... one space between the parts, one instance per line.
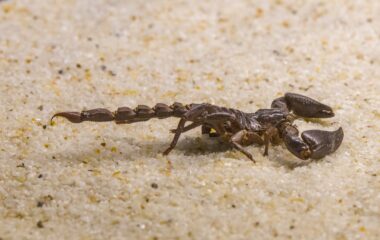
x=314 y=144
x=303 y=106
x=236 y=141
x=206 y=129
x=269 y=136
x=217 y=117
x=188 y=127
x=216 y=120
x=195 y=115
x=178 y=132
x=211 y=119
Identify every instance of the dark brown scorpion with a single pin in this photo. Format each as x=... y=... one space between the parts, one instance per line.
x=234 y=126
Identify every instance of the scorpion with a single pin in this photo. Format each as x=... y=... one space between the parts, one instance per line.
x=237 y=128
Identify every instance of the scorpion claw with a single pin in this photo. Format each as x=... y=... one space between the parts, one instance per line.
x=307 y=107
x=303 y=106
x=297 y=146
x=314 y=144
x=321 y=142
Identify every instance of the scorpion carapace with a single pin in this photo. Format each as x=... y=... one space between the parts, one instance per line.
x=274 y=125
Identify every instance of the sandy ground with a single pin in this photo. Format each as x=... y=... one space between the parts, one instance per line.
x=108 y=181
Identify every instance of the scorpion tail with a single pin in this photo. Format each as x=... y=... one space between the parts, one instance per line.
x=95 y=115
x=126 y=114
x=303 y=106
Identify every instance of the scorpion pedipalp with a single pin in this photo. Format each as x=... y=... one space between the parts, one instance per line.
x=314 y=144
x=322 y=143
x=294 y=143
x=303 y=106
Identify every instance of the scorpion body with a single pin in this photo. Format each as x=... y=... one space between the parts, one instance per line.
x=238 y=128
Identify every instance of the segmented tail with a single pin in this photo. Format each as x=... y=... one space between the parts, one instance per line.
x=126 y=114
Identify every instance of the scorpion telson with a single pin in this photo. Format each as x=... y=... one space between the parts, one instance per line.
x=274 y=125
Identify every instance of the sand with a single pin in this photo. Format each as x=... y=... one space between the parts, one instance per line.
x=108 y=181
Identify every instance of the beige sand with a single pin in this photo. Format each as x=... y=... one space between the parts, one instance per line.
x=104 y=181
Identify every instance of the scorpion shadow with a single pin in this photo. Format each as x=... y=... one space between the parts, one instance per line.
x=188 y=146
x=130 y=149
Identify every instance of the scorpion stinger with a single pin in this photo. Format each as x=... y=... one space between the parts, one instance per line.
x=239 y=129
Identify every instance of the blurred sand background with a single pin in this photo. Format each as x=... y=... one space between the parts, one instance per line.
x=99 y=181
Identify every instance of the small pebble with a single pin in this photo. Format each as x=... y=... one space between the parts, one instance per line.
x=40 y=224
x=22 y=165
